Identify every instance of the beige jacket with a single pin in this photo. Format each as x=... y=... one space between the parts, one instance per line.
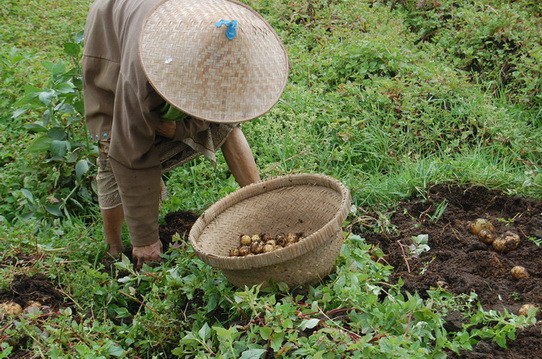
x=122 y=106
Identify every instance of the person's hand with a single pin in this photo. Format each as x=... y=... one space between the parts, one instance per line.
x=150 y=253
x=166 y=129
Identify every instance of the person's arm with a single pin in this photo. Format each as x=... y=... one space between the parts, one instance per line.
x=239 y=158
x=140 y=193
x=181 y=129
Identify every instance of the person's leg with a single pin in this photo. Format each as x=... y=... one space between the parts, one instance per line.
x=240 y=159
x=113 y=219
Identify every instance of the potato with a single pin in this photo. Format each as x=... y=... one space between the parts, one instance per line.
x=507 y=242
x=524 y=310
x=271 y=242
x=10 y=309
x=292 y=238
x=486 y=236
x=256 y=247
x=480 y=224
x=519 y=272
x=251 y=244
x=244 y=251
x=32 y=306
x=266 y=237
x=281 y=240
x=245 y=240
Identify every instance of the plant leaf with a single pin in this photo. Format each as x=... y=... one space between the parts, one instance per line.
x=81 y=168
x=253 y=353
x=46 y=97
x=57 y=133
x=205 y=332
x=28 y=195
x=59 y=148
x=115 y=350
x=40 y=144
x=72 y=49
x=35 y=127
x=309 y=323
x=54 y=209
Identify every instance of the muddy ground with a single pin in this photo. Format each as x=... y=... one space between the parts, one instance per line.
x=456 y=260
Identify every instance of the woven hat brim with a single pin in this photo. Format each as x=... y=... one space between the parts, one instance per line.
x=195 y=67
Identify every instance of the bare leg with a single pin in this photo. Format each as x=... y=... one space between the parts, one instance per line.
x=240 y=159
x=112 y=222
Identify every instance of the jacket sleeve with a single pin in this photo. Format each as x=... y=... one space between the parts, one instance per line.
x=140 y=193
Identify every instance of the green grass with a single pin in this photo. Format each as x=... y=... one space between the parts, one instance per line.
x=389 y=97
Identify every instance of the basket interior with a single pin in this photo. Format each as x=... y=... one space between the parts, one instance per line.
x=299 y=208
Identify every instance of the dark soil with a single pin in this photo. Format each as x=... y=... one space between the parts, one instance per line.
x=24 y=290
x=176 y=222
x=459 y=262
x=28 y=291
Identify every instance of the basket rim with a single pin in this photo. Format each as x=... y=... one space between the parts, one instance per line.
x=310 y=242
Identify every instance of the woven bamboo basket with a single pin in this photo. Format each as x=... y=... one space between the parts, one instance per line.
x=313 y=204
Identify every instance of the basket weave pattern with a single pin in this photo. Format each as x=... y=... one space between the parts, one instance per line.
x=313 y=204
x=191 y=63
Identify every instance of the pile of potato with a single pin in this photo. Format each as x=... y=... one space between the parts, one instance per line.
x=484 y=229
x=263 y=243
x=504 y=243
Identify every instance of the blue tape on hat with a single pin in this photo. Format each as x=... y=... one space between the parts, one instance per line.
x=231 y=30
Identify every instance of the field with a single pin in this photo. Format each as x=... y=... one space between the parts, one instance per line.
x=428 y=111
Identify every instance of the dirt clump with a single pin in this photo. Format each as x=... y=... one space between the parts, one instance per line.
x=176 y=222
x=28 y=290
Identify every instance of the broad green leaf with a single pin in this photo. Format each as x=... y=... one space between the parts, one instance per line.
x=55 y=68
x=205 y=332
x=35 y=127
x=81 y=168
x=59 y=148
x=122 y=312
x=30 y=98
x=46 y=97
x=79 y=37
x=276 y=341
x=227 y=335
x=115 y=350
x=57 y=133
x=55 y=209
x=18 y=112
x=27 y=194
x=266 y=332
x=72 y=49
x=253 y=354
x=65 y=108
x=309 y=323
x=65 y=87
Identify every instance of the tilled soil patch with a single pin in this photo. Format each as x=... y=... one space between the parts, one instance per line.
x=460 y=262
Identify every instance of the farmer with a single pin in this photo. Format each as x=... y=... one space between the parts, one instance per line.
x=212 y=63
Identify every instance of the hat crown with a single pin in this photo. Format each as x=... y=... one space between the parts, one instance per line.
x=195 y=66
